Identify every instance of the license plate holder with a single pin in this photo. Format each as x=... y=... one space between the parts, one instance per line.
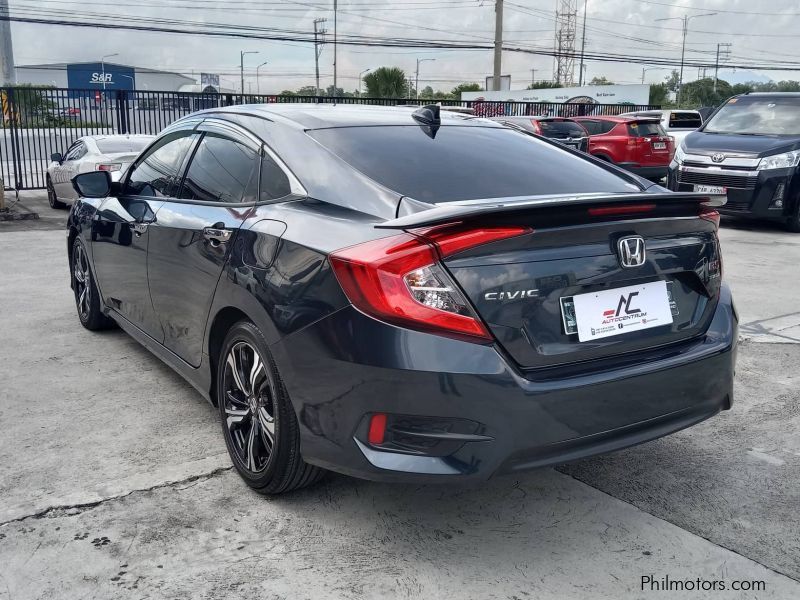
x=617 y=311
x=659 y=145
x=710 y=189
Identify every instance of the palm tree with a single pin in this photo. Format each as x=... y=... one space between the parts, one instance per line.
x=386 y=82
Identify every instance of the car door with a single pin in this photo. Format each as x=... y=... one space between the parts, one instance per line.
x=192 y=235
x=63 y=173
x=120 y=231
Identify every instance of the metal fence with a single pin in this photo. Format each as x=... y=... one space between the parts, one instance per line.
x=38 y=122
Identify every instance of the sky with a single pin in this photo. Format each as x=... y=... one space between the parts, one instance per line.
x=761 y=33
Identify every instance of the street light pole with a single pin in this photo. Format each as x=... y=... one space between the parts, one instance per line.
x=416 y=84
x=359 y=80
x=335 y=31
x=103 y=66
x=241 y=66
x=685 y=21
x=258 y=81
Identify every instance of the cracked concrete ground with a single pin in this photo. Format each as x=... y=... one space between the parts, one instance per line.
x=114 y=482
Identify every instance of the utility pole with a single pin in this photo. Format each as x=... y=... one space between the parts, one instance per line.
x=685 y=21
x=498 y=44
x=319 y=38
x=416 y=85
x=8 y=75
x=533 y=80
x=335 y=31
x=727 y=53
x=258 y=81
x=583 y=45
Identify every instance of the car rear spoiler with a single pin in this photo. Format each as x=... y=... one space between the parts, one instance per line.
x=452 y=212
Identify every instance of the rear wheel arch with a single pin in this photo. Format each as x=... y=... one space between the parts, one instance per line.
x=224 y=319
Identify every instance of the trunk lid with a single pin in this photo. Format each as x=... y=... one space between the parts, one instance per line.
x=524 y=288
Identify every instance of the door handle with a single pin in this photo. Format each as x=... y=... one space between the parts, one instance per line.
x=138 y=228
x=217 y=235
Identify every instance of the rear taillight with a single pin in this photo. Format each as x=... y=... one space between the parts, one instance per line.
x=400 y=280
x=710 y=214
x=108 y=166
x=536 y=126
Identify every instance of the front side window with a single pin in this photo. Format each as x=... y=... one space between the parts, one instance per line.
x=154 y=175
x=222 y=170
x=77 y=150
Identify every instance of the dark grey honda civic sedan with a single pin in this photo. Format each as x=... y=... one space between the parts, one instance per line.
x=403 y=295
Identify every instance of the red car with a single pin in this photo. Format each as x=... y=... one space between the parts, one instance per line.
x=639 y=145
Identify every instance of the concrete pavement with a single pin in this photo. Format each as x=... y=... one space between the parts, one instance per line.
x=114 y=482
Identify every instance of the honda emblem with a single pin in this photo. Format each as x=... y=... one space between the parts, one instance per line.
x=631 y=251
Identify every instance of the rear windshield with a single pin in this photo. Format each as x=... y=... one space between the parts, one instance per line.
x=684 y=120
x=118 y=145
x=755 y=115
x=465 y=162
x=638 y=129
x=562 y=129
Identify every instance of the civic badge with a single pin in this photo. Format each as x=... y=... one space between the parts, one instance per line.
x=631 y=251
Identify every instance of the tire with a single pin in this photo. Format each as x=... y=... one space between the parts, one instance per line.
x=793 y=223
x=258 y=421
x=52 y=199
x=87 y=298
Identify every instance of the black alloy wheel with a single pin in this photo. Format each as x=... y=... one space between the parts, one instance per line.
x=52 y=199
x=249 y=407
x=258 y=420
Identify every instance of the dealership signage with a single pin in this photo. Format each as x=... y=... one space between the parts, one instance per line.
x=589 y=94
x=100 y=76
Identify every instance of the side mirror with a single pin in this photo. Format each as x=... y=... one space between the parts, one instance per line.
x=56 y=157
x=95 y=184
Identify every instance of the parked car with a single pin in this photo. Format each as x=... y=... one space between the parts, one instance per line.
x=676 y=123
x=748 y=150
x=564 y=131
x=112 y=153
x=637 y=144
x=406 y=296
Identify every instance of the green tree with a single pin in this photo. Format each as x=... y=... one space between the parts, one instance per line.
x=386 y=82
x=426 y=92
x=544 y=85
x=672 y=80
x=659 y=94
x=308 y=90
x=602 y=80
x=465 y=87
x=287 y=93
x=701 y=93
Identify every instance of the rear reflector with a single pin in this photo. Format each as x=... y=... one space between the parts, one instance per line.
x=629 y=209
x=377 y=429
x=710 y=214
x=399 y=280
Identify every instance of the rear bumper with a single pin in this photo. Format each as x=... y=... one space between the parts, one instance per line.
x=347 y=366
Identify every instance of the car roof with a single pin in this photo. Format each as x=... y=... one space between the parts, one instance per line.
x=321 y=116
x=616 y=118
x=782 y=94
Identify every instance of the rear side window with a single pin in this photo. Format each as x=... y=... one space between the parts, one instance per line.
x=274 y=182
x=562 y=129
x=639 y=129
x=222 y=170
x=687 y=120
x=154 y=175
x=597 y=127
x=465 y=162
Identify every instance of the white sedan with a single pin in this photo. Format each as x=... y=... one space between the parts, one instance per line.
x=113 y=153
